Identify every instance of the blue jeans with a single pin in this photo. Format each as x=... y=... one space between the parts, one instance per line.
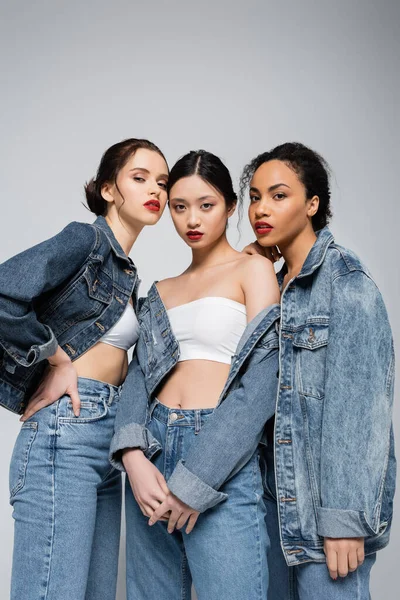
x=225 y=555
x=67 y=500
x=311 y=580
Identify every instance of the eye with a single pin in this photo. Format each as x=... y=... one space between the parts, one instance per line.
x=254 y=198
x=280 y=196
x=140 y=179
x=179 y=207
x=207 y=205
x=162 y=185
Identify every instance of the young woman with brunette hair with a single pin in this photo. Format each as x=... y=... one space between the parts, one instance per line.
x=207 y=363
x=67 y=319
x=329 y=464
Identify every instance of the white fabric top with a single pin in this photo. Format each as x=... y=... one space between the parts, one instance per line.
x=208 y=328
x=125 y=333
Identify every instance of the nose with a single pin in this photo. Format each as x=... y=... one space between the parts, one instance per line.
x=263 y=208
x=154 y=189
x=193 y=219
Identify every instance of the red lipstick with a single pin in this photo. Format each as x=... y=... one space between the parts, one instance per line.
x=262 y=227
x=194 y=236
x=153 y=205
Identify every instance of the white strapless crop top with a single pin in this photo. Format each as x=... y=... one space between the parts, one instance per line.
x=125 y=333
x=208 y=328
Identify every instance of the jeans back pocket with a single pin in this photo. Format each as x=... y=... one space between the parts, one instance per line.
x=20 y=456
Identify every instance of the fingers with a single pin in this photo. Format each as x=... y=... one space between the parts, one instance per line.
x=250 y=249
x=343 y=563
x=360 y=555
x=159 y=512
x=173 y=520
x=332 y=563
x=75 y=400
x=182 y=519
x=353 y=560
x=192 y=522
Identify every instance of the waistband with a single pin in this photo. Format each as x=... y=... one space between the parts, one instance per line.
x=99 y=389
x=179 y=417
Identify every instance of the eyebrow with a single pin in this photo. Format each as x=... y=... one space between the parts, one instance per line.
x=146 y=171
x=272 y=188
x=209 y=196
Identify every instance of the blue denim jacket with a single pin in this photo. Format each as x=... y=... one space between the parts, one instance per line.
x=333 y=438
x=67 y=291
x=232 y=433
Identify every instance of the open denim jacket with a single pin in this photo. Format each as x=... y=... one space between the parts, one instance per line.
x=68 y=291
x=333 y=443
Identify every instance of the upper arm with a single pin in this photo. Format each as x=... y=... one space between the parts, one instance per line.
x=259 y=284
x=49 y=263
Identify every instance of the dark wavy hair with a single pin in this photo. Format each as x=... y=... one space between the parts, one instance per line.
x=112 y=161
x=312 y=170
x=210 y=168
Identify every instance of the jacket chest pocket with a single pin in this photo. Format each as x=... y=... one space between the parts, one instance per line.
x=310 y=347
x=84 y=298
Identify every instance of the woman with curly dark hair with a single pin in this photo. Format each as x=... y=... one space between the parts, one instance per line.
x=329 y=467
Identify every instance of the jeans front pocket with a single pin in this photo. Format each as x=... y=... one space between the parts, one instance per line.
x=20 y=456
x=91 y=410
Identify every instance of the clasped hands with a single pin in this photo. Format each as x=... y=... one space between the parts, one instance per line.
x=152 y=494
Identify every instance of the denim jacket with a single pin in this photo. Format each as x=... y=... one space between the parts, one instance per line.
x=68 y=291
x=333 y=440
x=234 y=430
x=333 y=445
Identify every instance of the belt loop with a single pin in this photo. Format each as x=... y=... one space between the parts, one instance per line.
x=152 y=407
x=197 y=421
x=111 y=395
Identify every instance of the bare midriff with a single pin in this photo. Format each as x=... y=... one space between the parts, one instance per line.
x=104 y=363
x=194 y=384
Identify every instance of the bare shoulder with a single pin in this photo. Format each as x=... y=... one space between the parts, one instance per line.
x=168 y=286
x=255 y=265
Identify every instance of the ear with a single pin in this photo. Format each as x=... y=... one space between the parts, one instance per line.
x=313 y=206
x=107 y=192
x=232 y=210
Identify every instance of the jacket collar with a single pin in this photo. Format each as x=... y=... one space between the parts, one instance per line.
x=315 y=257
x=101 y=223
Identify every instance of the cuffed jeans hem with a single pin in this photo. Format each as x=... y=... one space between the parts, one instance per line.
x=340 y=523
x=191 y=490
x=132 y=436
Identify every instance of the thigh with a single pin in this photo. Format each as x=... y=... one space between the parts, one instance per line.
x=156 y=565
x=313 y=582
x=227 y=549
x=103 y=570
x=55 y=508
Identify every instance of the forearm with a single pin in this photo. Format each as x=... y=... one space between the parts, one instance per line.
x=229 y=438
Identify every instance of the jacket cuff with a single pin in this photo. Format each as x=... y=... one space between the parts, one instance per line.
x=340 y=523
x=34 y=355
x=38 y=353
x=193 y=491
x=132 y=436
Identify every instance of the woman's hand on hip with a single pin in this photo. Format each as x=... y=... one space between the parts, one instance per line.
x=148 y=484
x=179 y=514
x=59 y=378
x=343 y=555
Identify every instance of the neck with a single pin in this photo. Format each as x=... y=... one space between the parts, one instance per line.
x=212 y=255
x=125 y=234
x=296 y=251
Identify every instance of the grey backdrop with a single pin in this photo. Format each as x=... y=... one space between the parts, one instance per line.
x=235 y=78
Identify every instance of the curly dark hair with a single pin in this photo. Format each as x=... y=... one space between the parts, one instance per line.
x=312 y=170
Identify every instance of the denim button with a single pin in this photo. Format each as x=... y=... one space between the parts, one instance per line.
x=173 y=417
